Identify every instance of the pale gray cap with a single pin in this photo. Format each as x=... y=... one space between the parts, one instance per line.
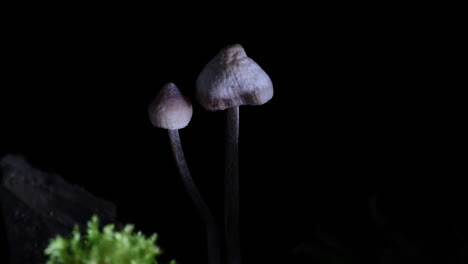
x=170 y=109
x=232 y=79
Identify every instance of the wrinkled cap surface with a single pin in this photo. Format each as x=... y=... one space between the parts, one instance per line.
x=232 y=79
x=170 y=109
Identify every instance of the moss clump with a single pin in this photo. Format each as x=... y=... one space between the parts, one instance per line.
x=103 y=247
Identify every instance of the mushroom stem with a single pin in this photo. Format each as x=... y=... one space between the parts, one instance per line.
x=231 y=181
x=212 y=235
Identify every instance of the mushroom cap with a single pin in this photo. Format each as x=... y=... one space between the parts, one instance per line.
x=170 y=109
x=232 y=79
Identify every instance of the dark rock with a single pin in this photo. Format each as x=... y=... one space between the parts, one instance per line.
x=3 y=243
x=38 y=206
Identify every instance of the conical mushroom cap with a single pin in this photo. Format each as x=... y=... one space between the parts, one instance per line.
x=170 y=109
x=232 y=79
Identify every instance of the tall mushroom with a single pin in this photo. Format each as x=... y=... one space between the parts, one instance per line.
x=172 y=111
x=229 y=80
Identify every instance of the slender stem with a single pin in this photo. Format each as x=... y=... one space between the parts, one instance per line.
x=231 y=181
x=212 y=235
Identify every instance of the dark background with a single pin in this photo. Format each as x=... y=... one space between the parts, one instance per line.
x=351 y=119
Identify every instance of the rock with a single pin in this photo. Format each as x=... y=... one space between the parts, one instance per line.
x=3 y=242
x=37 y=206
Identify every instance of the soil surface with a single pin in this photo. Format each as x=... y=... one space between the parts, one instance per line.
x=37 y=206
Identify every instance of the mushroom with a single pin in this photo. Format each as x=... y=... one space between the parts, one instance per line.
x=172 y=111
x=229 y=80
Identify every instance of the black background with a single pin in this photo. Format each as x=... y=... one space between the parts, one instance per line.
x=350 y=118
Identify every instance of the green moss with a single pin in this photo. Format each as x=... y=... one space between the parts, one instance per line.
x=103 y=247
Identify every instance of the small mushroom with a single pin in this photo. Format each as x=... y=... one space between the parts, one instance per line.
x=229 y=80
x=232 y=79
x=172 y=111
